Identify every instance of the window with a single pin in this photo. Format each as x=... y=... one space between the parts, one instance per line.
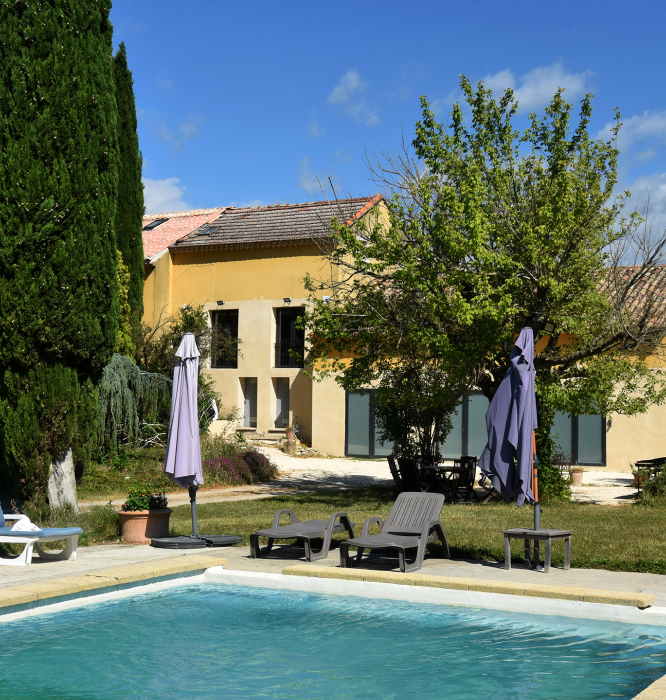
x=288 y=338
x=154 y=224
x=225 y=336
x=583 y=438
x=249 y=402
x=281 y=402
x=469 y=434
x=361 y=439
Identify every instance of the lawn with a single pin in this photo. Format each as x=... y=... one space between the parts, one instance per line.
x=631 y=538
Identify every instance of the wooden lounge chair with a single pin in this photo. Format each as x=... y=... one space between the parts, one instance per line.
x=412 y=523
x=33 y=538
x=303 y=531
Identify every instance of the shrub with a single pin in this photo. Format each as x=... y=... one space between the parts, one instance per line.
x=654 y=490
x=248 y=467
x=144 y=499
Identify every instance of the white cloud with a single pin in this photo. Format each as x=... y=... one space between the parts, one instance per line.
x=350 y=94
x=187 y=130
x=638 y=127
x=653 y=186
x=315 y=130
x=167 y=86
x=164 y=195
x=249 y=203
x=536 y=88
x=306 y=178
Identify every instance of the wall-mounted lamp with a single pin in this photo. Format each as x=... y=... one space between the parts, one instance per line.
x=548 y=327
x=220 y=303
x=286 y=300
x=326 y=299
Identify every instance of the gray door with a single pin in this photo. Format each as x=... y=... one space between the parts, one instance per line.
x=282 y=402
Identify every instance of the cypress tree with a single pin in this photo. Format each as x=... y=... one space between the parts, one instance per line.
x=58 y=191
x=129 y=212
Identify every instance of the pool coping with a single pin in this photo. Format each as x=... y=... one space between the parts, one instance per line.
x=392 y=589
x=25 y=598
x=531 y=590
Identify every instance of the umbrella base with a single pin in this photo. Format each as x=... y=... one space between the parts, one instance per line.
x=188 y=542
x=221 y=540
x=180 y=542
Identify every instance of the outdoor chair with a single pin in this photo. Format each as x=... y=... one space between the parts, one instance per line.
x=304 y=532
x=562 y=461
x=34 y=538
x=411 y=478
x=412 y=523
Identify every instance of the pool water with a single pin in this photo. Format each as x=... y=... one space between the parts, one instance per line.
x=216 y=641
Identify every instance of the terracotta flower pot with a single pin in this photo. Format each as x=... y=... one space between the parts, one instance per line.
x=140 y=526
x=576 y=478
x=290 y=435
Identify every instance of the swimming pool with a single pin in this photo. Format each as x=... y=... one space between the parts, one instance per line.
x=217 y=641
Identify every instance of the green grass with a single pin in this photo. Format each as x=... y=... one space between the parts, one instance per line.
x=631 y=538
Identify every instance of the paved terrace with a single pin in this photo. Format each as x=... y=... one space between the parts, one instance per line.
x=110 y=560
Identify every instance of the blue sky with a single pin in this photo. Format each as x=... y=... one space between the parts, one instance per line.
x=248 y=103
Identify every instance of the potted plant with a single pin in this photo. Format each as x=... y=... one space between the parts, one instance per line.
x=641 y=475
x=289 y=430
x=144 y=515
x=576 y=476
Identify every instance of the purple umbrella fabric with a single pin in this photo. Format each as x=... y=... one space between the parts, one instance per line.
x=183 y=452
x=511 y=419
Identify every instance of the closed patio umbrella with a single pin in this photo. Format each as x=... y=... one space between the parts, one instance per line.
x=511 y=420
x=183 y=452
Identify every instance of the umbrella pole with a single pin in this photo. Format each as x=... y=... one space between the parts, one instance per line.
x=193 y=503
x=535 y=487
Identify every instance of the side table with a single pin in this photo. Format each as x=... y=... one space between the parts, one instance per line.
x=538 y=536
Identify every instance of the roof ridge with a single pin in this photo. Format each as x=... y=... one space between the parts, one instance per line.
x=185 y=213
x=316 y=203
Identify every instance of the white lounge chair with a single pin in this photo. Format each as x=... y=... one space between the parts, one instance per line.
x=33 y=538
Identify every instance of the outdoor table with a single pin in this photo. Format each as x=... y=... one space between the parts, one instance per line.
x=446 y=477
x=547 y=536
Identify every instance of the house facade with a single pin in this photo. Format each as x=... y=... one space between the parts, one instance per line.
x=246 y=267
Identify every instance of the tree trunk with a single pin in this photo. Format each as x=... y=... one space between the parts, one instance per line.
x=62 y=483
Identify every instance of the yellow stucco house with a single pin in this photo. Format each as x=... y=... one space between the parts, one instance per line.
x=246 y=267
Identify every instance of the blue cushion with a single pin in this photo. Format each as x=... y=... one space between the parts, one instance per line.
x=44 y=532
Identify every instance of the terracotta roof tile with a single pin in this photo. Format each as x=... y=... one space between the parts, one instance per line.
x=647 y=294
x=179 y=224
x=275 y=225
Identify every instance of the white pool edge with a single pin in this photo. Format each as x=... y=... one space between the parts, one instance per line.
x=118 y=594
x=441 y=596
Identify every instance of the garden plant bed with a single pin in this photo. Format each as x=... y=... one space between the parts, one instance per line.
x=110 y=477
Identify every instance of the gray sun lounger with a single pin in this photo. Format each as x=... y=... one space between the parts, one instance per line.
x=412 y=522
x=303 y=531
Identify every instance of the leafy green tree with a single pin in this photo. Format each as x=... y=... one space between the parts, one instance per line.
x=129 y=210
x=58 y=178
x=490 y=229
